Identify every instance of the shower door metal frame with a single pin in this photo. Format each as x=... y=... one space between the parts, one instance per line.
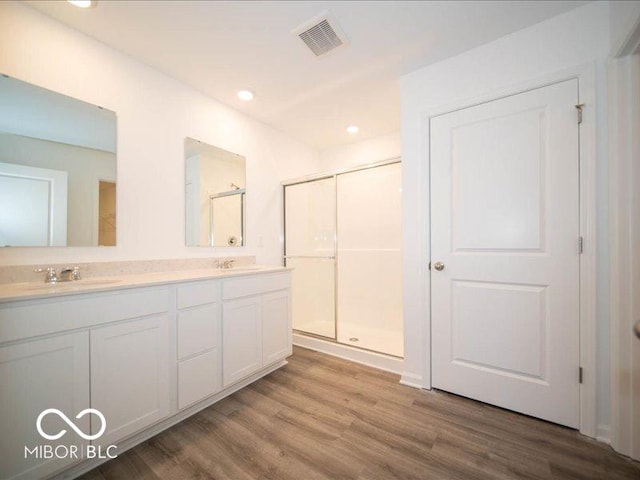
x=243 y=197
x=333 y=257
x=314 y=178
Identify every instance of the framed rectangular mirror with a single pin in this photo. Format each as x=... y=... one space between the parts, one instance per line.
x=215 y=196
x=57 y=169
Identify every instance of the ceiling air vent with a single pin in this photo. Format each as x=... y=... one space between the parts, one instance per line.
x=321 y=34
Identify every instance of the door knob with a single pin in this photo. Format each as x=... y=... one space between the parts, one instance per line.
x=438 y=266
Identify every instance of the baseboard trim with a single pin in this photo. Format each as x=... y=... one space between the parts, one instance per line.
x=153 y=430
x=363 y=357
x=603 y=434
x=411 y=380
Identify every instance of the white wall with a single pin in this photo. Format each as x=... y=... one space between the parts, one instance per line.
x=155 y=114
x=576 y=38
x=360 y=153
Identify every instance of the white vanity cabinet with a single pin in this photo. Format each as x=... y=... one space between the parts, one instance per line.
x=198 y=341
x=256 y=324
x=110 y=351
x=146 y=355
x=34 y=376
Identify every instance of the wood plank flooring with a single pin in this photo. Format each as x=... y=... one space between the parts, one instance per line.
x=325 y=418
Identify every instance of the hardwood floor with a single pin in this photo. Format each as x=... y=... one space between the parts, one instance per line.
x=325 y=418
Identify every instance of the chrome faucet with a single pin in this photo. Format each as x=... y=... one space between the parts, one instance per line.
x=225 y=264
x=69 y=274
x=50 y=276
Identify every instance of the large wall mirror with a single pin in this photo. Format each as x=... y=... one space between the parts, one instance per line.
x=57 y=169
x=215 y=196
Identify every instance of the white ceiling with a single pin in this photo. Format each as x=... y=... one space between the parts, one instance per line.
x=220 y=47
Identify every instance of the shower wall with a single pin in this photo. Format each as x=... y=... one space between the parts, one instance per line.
x=343 y=236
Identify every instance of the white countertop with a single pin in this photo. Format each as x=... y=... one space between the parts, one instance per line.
x=37 y=290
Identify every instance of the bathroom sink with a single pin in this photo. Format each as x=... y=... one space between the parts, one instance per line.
x=77 y=283
x=245 y=268
x=105 y=281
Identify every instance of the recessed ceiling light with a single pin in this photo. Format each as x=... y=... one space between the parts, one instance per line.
x=352 y=129
x=245 y=95
x=81 y=3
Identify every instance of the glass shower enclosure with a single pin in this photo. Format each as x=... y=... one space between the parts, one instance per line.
x=310 y=246
x=343 y=236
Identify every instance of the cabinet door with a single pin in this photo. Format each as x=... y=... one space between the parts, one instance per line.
x=130 y=375
x=276 y=327
x=34 y=376
x=241 y=338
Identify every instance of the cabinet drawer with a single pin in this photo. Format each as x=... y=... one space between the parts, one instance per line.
x=255 y=285
x=198 y=378
x=41 y=317
x=198 y=329
x=193 y=294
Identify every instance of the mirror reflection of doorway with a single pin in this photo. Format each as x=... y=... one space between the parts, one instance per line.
x=107 y=214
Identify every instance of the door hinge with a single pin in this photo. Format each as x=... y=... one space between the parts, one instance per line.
x=579 y=108
x=579 y=374
x=580 y=245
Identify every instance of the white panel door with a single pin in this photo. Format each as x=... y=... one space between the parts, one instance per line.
x=504 y=222
x=130 y=375
x=35 y=376
x=33 y=206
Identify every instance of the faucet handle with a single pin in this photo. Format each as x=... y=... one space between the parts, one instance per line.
x=50 y=277
x=75 y=273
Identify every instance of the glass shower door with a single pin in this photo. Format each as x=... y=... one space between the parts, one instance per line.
x=369 y=256
x=310 y=211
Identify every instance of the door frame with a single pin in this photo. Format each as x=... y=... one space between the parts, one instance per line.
x=586 y=76
x=624 y=177
x=95 y=220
